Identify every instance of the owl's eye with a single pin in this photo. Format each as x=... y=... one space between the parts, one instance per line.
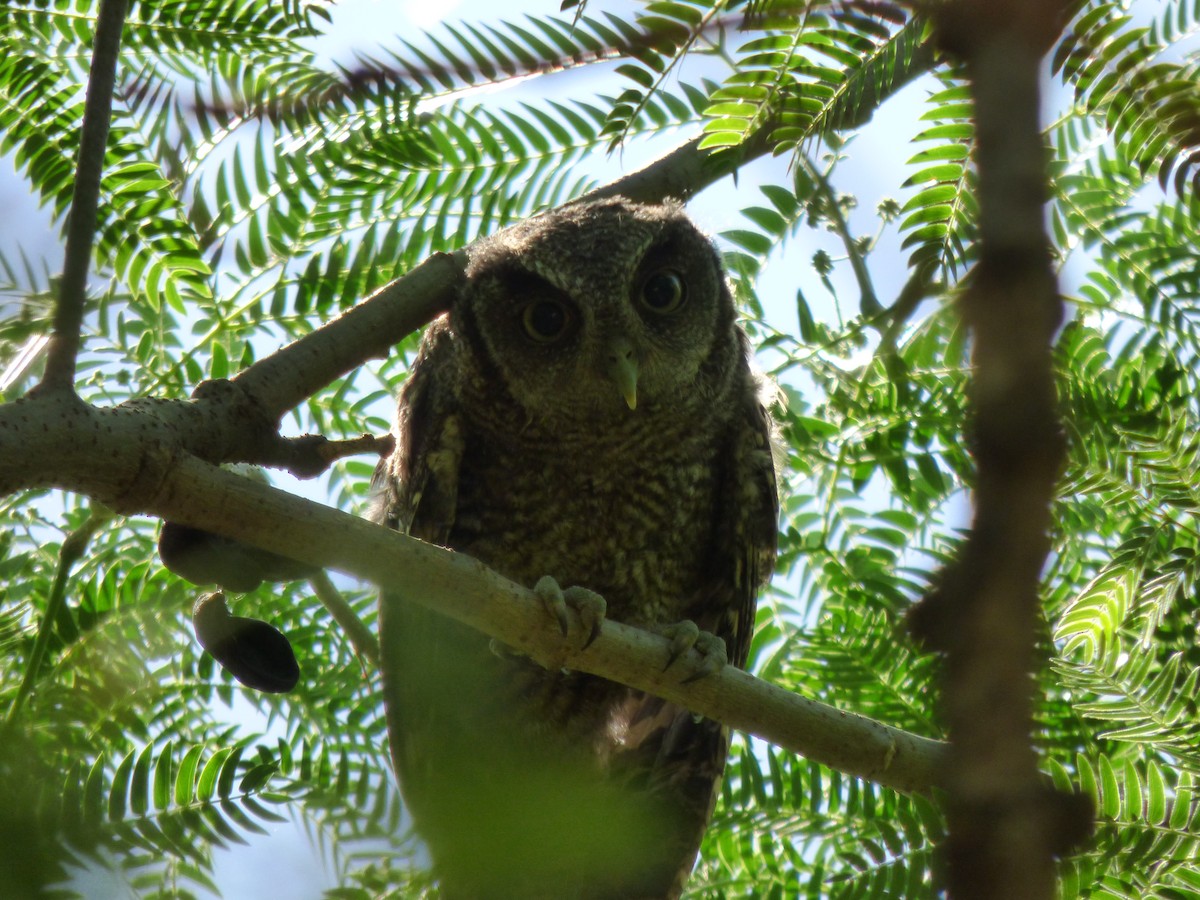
x=545 y=320
x=663 y=292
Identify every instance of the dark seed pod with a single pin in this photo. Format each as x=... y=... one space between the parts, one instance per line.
x=206 y=558
x=255 y=653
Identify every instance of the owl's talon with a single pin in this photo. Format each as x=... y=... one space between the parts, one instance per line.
x=712 y=664
x=591 y=608
x=588 y=604
x=683 y=636
x=686 y=635
x=502 y=650
x=593 y=634
x=555 y=602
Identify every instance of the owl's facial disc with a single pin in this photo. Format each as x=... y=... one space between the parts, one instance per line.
x=623 y=369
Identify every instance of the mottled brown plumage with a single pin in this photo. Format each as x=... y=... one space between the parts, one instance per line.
x=517 y=444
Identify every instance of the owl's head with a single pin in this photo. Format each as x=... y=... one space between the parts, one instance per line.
x=599 y=311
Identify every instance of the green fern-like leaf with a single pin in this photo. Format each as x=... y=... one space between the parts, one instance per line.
x=1151 y=106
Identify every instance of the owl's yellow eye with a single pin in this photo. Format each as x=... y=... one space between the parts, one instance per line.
x=545 y=320
x=664 y=291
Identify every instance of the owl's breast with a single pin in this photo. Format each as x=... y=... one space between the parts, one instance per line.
x=633 y=522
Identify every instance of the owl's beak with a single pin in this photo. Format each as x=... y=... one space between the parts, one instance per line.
x=623 y=369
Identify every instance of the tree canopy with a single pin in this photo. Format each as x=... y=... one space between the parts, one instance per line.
x=989 y=532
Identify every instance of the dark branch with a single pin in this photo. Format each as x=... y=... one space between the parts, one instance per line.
x=85 y=199
x=1004 y=823
x=373 y=79
x=683 y=172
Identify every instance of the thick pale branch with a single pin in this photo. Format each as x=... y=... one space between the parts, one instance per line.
x=197 y=494
x=85 y=198
x=125 y=458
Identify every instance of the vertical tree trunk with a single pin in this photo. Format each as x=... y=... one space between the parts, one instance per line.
x=985 y=615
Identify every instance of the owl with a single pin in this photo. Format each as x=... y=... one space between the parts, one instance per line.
x=585 y=421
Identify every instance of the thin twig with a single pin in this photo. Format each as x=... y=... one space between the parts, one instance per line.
x=364 y=641
x=308 y=455
x=73 y=547
x=85 y=199
x=868 y=304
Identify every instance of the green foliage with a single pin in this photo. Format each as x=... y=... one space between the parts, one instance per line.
x=252 y=191
x=829 y=75
x=1121 y=78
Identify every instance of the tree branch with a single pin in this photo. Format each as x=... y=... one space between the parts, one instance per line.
x=117 y=459
x=131 y=459
x=194 y=493
x=1004 y=822
x=85 y=198
x=309 y=455
x=684 y=172
x=365 y=643
x=368 y=330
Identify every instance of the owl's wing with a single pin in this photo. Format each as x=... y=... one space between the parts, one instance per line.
x=416 y=488
x=746 y=537
x=424 y=654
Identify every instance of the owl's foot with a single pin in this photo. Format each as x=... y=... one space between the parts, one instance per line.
x=588 y=604
x=686 y=635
